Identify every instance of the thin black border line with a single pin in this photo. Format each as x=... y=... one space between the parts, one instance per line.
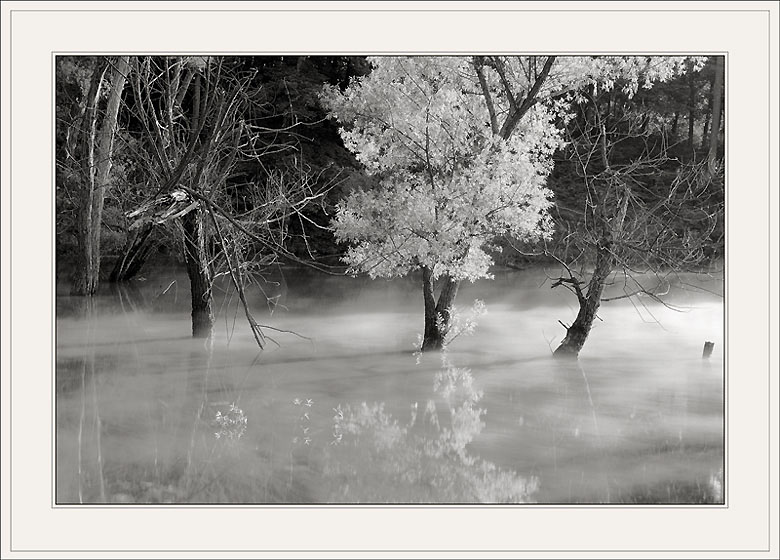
x=410 y=9
x=393 y=551
x=388 y=506
x=769 y=276
x=440 y=505
x=388 y=53
x=726 y=192
x=53 y=242
x=11 y=245
x=11 y=285
x=435 y=506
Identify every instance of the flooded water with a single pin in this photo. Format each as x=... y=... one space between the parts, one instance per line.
x=349 y=414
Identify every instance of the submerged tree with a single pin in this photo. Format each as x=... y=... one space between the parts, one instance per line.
x=91 y=126
x=451 y=178
x=201 y=129
x=461 y=148
x=640 y=217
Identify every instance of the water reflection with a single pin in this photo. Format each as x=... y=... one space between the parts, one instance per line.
x=194 y=447
x=147 y=415
x=424 y=460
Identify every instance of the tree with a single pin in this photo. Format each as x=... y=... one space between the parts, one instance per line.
x=177 y=140
x=451 y=177
x=287 y=89
x=140 y=243
x=642 y=211
x=461 y=148
x=90 y=148
x=717 y=99
x=201 y=140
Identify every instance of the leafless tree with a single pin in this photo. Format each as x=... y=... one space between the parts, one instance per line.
x=88 y=156
x=642 y=216
x=202 y=140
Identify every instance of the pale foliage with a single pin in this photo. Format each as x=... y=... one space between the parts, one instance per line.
x=628 y=73
x=448 y=185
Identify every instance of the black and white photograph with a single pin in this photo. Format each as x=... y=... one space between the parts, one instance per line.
x=395 y=279
x=389 y=279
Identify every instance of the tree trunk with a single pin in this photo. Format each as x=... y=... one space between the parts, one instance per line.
x=195 y=253
x=675 y=122
x=717 y=94
x=96 y=154
x=134 y=254
x=705 y=138
x=198 y=272
x=446 y=299
x=437 y=313
x=432 y=337
x=577 y=333
x=83 y=281
x=691 y=111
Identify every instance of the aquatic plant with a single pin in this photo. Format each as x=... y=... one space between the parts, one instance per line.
x=303 y=421
x=230 y=425
x=456 y=324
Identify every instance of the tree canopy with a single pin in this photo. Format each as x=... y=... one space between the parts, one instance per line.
x=448 y=185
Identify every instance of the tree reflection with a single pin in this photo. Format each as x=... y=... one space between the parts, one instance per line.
x=377 y=459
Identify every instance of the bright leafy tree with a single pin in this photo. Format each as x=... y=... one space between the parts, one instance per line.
x=461 y=148
x=447 y=184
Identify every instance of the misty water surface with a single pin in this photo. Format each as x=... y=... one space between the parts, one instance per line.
x=349 y=414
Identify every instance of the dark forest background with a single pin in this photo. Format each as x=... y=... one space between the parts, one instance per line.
x=677 y=115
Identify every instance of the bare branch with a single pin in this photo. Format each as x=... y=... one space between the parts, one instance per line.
x=479 y=68
x=517 y=113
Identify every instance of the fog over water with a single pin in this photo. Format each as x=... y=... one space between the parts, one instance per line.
x=350 y=414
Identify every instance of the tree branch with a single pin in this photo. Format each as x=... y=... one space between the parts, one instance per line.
x=530 y=100
x=479 y=68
